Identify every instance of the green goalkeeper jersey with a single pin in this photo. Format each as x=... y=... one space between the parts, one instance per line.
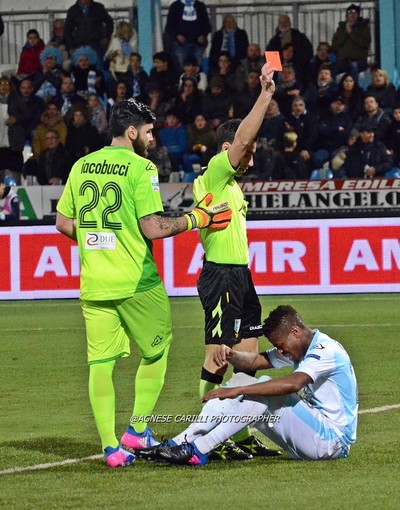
x=227 y=246
x=107 y=192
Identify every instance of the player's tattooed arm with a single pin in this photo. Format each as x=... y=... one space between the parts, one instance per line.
x=157 y=226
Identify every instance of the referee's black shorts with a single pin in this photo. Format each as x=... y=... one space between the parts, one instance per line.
x=231 y=305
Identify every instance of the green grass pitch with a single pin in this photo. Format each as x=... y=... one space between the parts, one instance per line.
x=45 y=416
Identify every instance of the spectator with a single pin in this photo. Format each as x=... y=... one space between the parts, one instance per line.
x=323 y=56
x=287 y=89
x=52 y=166
x=164 y=75
x=174 y=137
x=122 y=44
x=47 y=81
x=374 y=115
x=202 y=140
x=158 y=154
x=264 y=161
x=187 y=28
x=339 y=156
x=67 y=97
x=10 y=207
x=88 y=24
x=383 y=90
x=367 y=158
x=29 y=61
x=87 y=78
x=253 y=62
x=157 y=104
x=189 y=101
x=393 y=136
x=226 y=70
x=192 y=70
x=25 y=110
x=120 y=93
x=288 y=163
x=318 y=95
x=244 y=102
x=136 y=78
x=50 y=119
x=10 y=144
x=334 y=129
x=58 y=41
x=286 y=34
x=351 y=42
x=349 y=89
x=229 y=38
x=98 y=115
x=217 y=102
x=305 y=125
x=273 y=126
x=82 y=137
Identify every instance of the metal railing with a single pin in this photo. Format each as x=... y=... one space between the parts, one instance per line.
x=318 y=20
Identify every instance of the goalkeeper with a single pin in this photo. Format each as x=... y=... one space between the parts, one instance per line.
x=231 y=305
x=111 y=206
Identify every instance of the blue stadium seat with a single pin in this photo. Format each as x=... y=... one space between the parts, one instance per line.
x=320 y=174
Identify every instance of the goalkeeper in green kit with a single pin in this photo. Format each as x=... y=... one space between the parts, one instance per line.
x=111 y=206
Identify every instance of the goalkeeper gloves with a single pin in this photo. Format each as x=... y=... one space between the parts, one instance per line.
x=216 y=217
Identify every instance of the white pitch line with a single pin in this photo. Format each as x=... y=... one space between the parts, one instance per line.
x=379 y=409
x=65 y=462
x=38 y=467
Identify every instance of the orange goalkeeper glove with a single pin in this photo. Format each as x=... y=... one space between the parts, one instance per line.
x=216 y=217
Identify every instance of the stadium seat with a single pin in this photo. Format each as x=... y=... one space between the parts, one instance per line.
x=320 y=174
x=394 y=173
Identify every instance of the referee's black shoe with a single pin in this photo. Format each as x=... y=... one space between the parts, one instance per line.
x=229 y=450
x=256 y=448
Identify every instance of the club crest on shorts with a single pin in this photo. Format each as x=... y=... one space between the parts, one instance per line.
x=236 y=327
x=157 y=340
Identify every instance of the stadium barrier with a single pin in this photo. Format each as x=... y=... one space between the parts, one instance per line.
x=267 y=199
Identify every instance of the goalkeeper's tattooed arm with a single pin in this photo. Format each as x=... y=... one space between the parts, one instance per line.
x=217 y=217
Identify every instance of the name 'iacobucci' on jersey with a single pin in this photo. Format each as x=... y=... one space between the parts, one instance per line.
x=105 y=168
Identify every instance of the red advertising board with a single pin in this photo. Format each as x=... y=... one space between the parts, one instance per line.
x=5 y=264
x=286 y=257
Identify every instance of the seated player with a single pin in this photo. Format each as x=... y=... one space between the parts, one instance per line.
x=318 y=424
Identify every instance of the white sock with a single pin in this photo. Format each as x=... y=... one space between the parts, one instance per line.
x=234 y=415
x=206 y=421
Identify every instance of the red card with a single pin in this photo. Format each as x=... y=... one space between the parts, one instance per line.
x=274 y=59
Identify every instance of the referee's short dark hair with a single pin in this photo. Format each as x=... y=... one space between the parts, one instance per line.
x=129 y=113
x=226 y=132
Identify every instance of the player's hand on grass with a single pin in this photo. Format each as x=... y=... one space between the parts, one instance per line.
x=221 y=393
x=221 y=354
x=216 y=217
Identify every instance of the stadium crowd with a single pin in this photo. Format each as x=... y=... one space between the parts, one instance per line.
x=59 y=99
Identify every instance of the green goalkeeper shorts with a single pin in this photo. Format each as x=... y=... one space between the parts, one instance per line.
x=144 y=318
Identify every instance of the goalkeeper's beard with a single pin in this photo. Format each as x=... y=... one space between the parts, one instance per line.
x=140 y=147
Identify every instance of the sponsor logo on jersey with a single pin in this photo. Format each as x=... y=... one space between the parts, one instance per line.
x=154 y=183
x=315 y=356
x=100 y=241
x=318 y=346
